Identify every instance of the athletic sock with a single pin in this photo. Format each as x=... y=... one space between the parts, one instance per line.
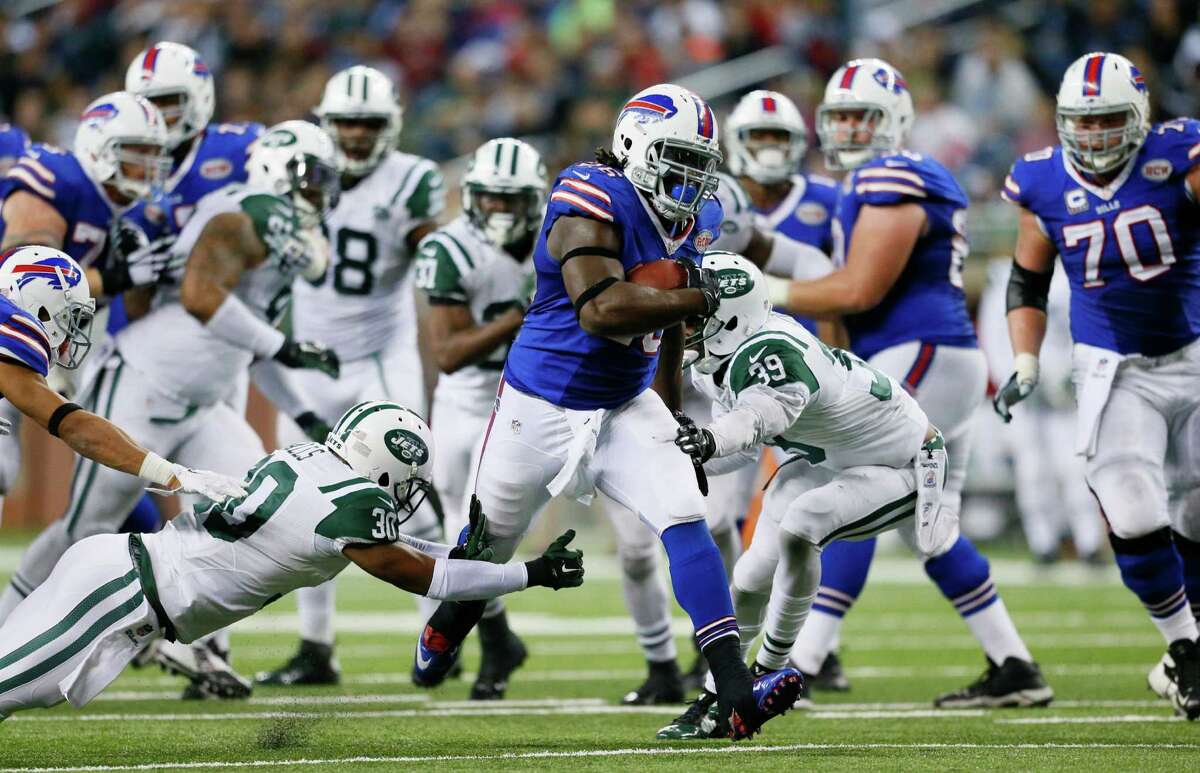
x=316 y=606
x=844 y=569
x=795 y=586
x=648 y=605
x=1151 y=567
x=698 y=578
x=964 y=578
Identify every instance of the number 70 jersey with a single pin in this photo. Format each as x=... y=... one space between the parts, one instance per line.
x=1129 y=248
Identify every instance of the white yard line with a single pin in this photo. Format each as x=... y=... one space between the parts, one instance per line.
x=653 y=751
x=1100 y=720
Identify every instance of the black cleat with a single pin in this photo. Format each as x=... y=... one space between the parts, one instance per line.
x=500 y=659
x=1177 y=678
x=209 y=674
x=698 y=721
x=664 y=684
x=1014 y=683
x=313 y=664
x=831 y=677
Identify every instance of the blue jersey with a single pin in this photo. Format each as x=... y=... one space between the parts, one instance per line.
x=926 y=303
x=805 y=214
x=13 y=144
x=56 y=177
x=22 y=338
x=552 y=356
x=218 y=158
x=1130 y=249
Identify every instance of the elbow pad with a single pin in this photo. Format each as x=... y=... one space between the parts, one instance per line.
x=1028 y=288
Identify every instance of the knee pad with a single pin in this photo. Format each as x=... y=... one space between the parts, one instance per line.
x=810 y=517
x=1132 y=495
x=639 y=565
x=753 y=572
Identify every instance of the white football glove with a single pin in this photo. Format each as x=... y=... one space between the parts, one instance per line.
x=1019 y=385
x=319 y=252
x=211 y=485
x=5 y=427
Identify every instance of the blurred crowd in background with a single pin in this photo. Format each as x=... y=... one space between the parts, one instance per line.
x=983 y=74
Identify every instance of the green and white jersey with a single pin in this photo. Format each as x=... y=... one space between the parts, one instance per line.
x=738 y=225
x=457 y=264
x=172 y=348
x=365 y=300
x=303 y=504
x=843 y=413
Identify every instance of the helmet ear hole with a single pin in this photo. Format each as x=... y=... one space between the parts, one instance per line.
x=628 y=143
x=385 y=480
x=43 y=315
x=732 y=323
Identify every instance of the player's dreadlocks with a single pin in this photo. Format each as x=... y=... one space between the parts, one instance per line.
x=608 y=158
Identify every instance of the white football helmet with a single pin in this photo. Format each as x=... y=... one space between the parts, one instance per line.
x=666 y=137
x=878 y=90
x=174 y=70
x=389 y=445
x=362 y=93
x=744 y=309
x=48 y=284
x=765 y=162
x=1099 y=84
x=297 y=160
x=106 y=127
x=506 y=167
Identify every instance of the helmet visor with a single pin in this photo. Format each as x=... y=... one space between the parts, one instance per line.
x=315 y=186
x=409 y=494
x=75 y=322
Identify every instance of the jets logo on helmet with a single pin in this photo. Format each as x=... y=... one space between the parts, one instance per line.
x=744 y=309
x=1102 y=112
x=179 y=83
x=734 y=282
x=406 y=446
x=388 y=445
x=765 y=137
x=665 y=140
x=120 y=132
x=295 y=160
x=50 y=286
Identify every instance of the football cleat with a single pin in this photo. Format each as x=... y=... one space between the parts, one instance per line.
x=433 y=659
x=1176 y=678
x=1015 y=683
x=313 y=664
x=831 y=677
x=700 y=720
x=499 y=661
x=775 y=693
x=210 y=675
x=664 y=684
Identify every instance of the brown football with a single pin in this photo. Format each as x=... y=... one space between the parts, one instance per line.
x=659 y=274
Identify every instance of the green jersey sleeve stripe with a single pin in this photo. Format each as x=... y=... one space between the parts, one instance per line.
x=403 y=185
x=460 y=252
x=327 y=489
x=427 y=200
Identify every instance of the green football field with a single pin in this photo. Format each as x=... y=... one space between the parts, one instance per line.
x=903 y=645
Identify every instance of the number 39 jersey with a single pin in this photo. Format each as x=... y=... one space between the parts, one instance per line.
x=849 y=413
x=926 y=303
x=365 y=301
x=456 y=264
x=1130 y=249
x=220 y=563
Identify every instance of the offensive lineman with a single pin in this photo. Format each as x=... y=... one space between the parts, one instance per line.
x=478 y=277
x=899 y=242
x=363 y=308
x=1117 y=200
x=574 y=412
x=308 y=512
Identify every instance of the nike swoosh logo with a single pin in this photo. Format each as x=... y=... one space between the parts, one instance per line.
x=422 y=663
x=582 y=175
x=761 y=352
x=570 y=570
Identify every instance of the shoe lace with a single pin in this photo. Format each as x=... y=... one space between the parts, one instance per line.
x=697 y=708
x=984 y=679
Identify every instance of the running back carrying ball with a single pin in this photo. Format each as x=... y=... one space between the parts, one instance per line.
x=660 y=274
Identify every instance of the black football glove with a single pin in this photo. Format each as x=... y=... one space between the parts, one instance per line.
x=704 y=280
x=685 y=422
x=308 y=354
x=312 y=426
x=557 y=567
x=472 y=542
x=133 y=260
x=696 y=442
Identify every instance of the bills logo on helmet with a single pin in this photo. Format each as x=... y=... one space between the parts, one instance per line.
x=100 y=113
x=406 y=446
x=53 y=269
x=890 y=80
x=200 y=68
x=652 y=107
x=1139 y=82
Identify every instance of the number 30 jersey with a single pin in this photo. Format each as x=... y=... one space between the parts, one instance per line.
x=843 y=412
x=1130 y=248
x=221 y=563
x=365 y=300
x=926 y=303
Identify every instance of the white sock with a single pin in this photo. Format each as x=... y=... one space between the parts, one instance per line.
x=750 y=609
x=729 y=542
x=316 y=608
x=1180 y=625
x=648 y=604
x=821 y=634
x=795 y=587
x=9 y=601
x=997 y=634
x=425 y=609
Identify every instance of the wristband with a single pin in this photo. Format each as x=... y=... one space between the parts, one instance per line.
x=60 y=413
x=156 y=469
x=1025 y=365
x=777 y=290
x=537 y=573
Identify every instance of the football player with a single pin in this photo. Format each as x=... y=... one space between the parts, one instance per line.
x=243 y=248
x=478 y=277
x=863 y=458
x=1116 y=200
x=389 y=202
x=575 y=411
x=330 y=505
x=899 y=244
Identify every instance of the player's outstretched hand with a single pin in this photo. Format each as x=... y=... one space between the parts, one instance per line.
x=472 y=541
x=558 y=567
x=309 y=354
x=312 y=426
x=211 y=485
x=697 y=442
x=1019 y=385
